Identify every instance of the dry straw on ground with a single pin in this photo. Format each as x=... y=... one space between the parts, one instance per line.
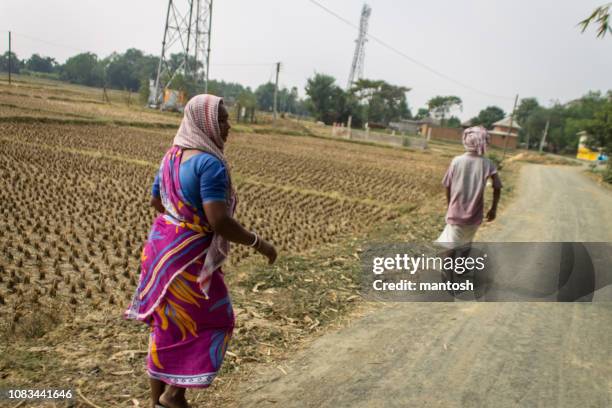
x=75 y=214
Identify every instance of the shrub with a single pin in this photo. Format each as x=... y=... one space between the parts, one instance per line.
x=607 y=174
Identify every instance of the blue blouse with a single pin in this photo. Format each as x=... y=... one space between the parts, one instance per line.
x=203 y=179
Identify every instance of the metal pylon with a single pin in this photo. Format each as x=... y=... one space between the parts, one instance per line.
x=186 y=32
x=359 y=56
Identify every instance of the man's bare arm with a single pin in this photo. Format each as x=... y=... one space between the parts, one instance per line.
x=496 y=196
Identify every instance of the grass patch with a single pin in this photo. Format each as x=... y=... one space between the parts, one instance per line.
x=101 y=122
x=57 y=98
x=543 y=158
x=44 y=111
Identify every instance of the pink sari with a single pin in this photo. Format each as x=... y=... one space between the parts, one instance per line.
x=189 y=312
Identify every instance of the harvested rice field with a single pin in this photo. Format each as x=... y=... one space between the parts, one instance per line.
x=74 y=200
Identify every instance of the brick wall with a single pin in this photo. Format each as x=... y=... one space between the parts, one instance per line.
x=499 y=140
x=450 y=134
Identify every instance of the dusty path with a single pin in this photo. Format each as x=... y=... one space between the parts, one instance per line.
x=471 y=354
x=555 y=203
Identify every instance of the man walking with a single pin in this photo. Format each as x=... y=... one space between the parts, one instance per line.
x=465 y=182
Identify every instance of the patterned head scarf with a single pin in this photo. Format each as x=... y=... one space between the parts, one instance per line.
x=200 y=126
x=476 y=139
x=200 y=130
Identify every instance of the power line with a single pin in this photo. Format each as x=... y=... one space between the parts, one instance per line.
x=47 y=42
x=406 y=56
x=239 y=64
x=245 y=64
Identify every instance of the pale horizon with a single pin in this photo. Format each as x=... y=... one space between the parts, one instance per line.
x=533 y=48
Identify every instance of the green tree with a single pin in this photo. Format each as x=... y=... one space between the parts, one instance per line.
x=441 y=106
x=144 y=90
x=265 y=96
x=326 y=101
x=41 y=64
x=453 y=122
x=84 y=69
x=16 y=63
x=566 y=120
x=288 y=100
x=382 y=101
x=247 y=99
x=534 y=125
x=574 y=117
x=127 y=70
x=121 y=74
x=600 y=128
x=178 y=61
x=600 y=132
x=601 y=17
x=558 y=140
x=488 y=116
x=230 y=91
x=525 y=108
x=422 y=113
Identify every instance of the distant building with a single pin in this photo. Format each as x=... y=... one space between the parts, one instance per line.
x=501 y=131
x=505 y=128
x=411 y=127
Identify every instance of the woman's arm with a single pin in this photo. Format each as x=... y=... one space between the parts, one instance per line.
x=232 y=230
x=155 y=195
x=157 y=204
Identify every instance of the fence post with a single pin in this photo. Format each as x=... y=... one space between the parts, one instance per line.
x=349 y=124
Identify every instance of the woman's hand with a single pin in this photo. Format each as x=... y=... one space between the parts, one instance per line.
x=267 y=249
x=232 y=230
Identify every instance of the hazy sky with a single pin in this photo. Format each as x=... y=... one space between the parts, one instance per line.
x=529 y=47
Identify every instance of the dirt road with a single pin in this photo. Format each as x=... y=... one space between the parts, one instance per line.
x=471 y=354
x=555 y=203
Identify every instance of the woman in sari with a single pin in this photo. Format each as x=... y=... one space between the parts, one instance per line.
x=181 y=293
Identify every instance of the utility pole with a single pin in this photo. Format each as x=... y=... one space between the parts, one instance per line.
x=544 y=136
x=511 y=124
x=278 y=64
x=9 y=59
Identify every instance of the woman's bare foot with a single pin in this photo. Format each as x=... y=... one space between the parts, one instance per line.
x=174 y=397
x=157 y=389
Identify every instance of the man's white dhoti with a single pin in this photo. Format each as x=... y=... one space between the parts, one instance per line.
x=455 y=236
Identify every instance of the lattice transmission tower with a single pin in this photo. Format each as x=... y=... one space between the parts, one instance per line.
x=187 y=32
x=359 y=56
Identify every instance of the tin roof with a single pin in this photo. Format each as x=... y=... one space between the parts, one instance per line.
x=506 y=123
